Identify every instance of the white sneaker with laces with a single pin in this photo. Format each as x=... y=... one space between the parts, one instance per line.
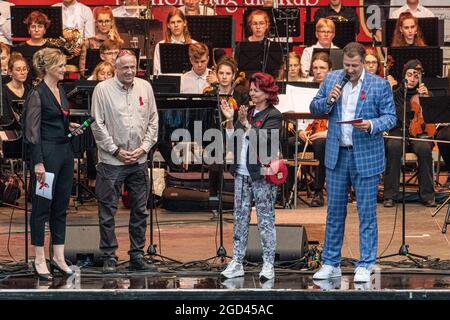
x=327 y=272
x=267 y=272
x=233 y=270
x=362 y=274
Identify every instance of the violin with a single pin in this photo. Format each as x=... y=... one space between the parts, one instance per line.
x=417 y=127
x=318 y=125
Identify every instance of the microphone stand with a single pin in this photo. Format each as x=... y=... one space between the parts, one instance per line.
x=404 y=248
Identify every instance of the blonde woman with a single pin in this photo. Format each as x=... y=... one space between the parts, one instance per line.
x=103 y=71
x=45 y=131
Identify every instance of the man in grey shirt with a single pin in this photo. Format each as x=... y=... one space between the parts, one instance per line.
x=126 y=128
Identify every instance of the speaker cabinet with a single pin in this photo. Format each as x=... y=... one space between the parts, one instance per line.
x=292 y=243
x=82 y=245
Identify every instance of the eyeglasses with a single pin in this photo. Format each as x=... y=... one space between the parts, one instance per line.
x=111 y=53
x=104 y=21
x=261 y=24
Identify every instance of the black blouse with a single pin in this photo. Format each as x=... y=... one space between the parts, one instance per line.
x=7 y=115
x=28 y=52
x=45 y=120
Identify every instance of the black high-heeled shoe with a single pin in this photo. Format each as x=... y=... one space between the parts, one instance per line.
x=54 y=265
x=41 y=276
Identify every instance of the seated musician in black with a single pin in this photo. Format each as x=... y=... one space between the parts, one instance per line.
x=16 y=89
x=315 y=131
x=423 y=150
x=337 y=12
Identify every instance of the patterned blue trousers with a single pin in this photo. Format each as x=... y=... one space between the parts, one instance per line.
x=338 y=184
x=264 y=194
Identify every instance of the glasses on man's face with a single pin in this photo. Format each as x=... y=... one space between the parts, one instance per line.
x=260 y=24
x=104 y=22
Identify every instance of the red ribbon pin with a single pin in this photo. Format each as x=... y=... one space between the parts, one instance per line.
x=141 y=102
x=363 y=95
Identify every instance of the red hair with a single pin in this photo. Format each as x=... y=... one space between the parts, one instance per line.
x=399 y=40
x=37 y=17
x=266 y=83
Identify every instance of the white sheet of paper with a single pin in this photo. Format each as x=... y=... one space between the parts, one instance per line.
x=296 y=99
x=45 y=189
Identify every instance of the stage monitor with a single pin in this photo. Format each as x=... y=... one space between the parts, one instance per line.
x=279 y=19
x=431 y=58
x=345 y=33
x=432 y=29
x=20 y=13
x=214 y=31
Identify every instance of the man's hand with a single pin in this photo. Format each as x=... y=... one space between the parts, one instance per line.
x=137 y=154
x=363 y=126
x=124 y=156
x=335 y=93
x=303 y=135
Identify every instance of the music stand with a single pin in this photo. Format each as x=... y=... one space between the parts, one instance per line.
x=345 y=33
x=174 y=58
x=20 y=13
x=336 y=56
x=281 y=24
x=432 y=29
x=265 y=56
x=92 y=60
x=431 y=58
x=205 y=29
x=437 y=110
x=165 y=84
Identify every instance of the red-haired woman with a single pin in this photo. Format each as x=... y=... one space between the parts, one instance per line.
x=176 y=32
x=105 y=29
x=37 y=24
x=407 y=32
x=255 y=127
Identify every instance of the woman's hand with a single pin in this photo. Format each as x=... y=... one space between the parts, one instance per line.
x=73 y=126
x=39 y=171
x=242 y=115
x=318 y=135
x=227 y=109
x=302 y=134
x=392 y=81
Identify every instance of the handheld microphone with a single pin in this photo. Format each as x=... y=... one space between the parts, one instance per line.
x=85 y=124
x=344 y=81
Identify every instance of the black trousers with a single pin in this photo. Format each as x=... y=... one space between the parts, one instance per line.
x=423 y=151
x=318 y=148
x=444 y=148
x=110 y=179
x=58 y=159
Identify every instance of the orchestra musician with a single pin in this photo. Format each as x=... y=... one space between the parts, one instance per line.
x=194 y=8
x=127 y=10
x=423 y=150
x=46 y=126
x=413 y=7
x=5 y=22
x=195 y=80
x=105 y=28
x=176 y=32
x=325 y=32
x=295 y=71
x=109 y=50
x=4 y=59
x=374 y=65
x=336 y=11
x=407 y=32
x=103 y=71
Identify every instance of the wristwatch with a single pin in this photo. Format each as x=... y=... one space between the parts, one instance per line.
x=116 y=152
x=248 y=125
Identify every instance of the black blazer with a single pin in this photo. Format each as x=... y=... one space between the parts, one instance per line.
x=262 y=124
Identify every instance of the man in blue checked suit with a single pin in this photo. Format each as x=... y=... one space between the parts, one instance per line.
x=354 y=156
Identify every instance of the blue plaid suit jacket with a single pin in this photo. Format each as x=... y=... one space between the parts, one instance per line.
x=377 y=106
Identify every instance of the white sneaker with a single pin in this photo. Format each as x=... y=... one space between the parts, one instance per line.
x=327 y=272
x=233 y=270
x=267 y=272
x=362 y=274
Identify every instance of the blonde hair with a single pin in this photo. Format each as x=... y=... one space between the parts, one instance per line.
x=47 y=59
x=15 y=57
x=102 y=66
x=323 y=22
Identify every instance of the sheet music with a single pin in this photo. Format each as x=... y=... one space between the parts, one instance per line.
x=296 y=99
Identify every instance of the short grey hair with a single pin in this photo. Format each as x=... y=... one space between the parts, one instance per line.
x=124 y=53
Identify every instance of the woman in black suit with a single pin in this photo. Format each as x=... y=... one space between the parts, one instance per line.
x=46 y=125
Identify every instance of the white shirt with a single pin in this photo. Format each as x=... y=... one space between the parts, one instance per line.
x=5 y=22
x=193 y=83
x=350 y=97
x=78 y=16
x=307 y=56
x=420 y=12
x=121 y=12
x=157 y=58
x=209 y=11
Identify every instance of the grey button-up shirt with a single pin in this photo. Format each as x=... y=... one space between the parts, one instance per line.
x=125 y=118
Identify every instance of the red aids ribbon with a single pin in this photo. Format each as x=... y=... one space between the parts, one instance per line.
x=141 y=102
